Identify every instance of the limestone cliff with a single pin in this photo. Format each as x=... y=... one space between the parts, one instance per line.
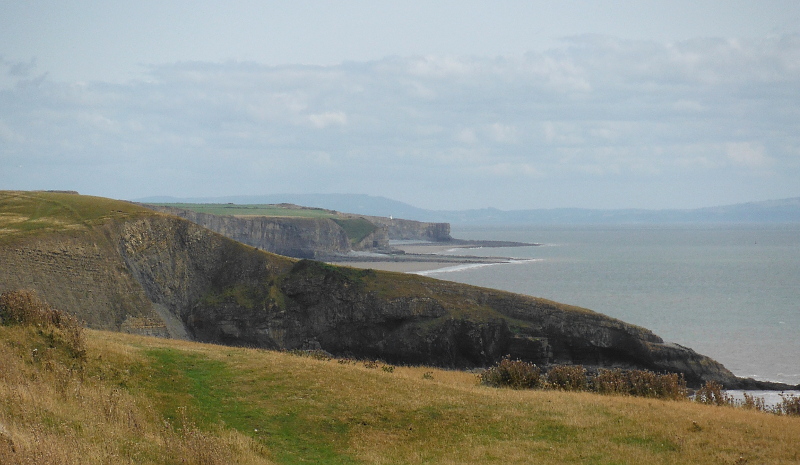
x=399 y=229
x=301 y=237
x=293 y=237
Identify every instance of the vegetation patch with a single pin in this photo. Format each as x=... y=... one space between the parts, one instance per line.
x=59 y=329
x=149 y=400
x=277 y=210
x=518 y=374
x=212 y=394
x=313 y=268
x=31 y=212
x=357 y=229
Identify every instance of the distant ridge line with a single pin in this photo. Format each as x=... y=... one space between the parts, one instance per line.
x=768 y=211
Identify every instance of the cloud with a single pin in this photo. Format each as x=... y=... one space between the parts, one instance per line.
x=323 y=120
x=747 y=154
x=592 y=113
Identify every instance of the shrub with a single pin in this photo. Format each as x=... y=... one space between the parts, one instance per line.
x=641 y=383
x=711 y=393
x=515 y=374
x=567 y=378
x=316 y=354
x=751 y=402
x=388 y=368
x=789 y=405
x=611 y=382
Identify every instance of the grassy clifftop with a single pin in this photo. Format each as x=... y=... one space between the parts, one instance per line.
x=135 y=399
x=26 y=213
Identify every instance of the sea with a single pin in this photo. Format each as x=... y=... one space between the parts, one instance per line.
x=731 y=292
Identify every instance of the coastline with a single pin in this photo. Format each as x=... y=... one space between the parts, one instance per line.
x=421 y=257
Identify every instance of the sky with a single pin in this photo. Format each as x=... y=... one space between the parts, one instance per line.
x=444 y=105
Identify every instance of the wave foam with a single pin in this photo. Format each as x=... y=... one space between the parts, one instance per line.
x=469 y=266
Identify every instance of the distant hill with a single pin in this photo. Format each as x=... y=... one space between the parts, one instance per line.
x=771 y=211
x=347 y=203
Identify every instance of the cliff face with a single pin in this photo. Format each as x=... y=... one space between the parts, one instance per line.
x=163 y=275
x=293 y=237
x=83 y=273
x=399 y=229
x=315 y=238
x=227 y=293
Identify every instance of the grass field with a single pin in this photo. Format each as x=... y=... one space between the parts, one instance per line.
x=30 y=212
x=147 y=400
x=253 y=210
x=117 y=398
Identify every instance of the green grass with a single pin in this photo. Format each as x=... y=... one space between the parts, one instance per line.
x=237 y=405
x=356 y=228
x=253 y=210
x=25 y=213
x=204 y=386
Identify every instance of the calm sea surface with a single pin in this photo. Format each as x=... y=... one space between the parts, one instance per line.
x=729 y=292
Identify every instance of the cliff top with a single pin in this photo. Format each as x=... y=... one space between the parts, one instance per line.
x=27 y=213
x=276 y=210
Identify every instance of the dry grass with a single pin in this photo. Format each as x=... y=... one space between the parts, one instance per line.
x=58 y=406
x=147 y=400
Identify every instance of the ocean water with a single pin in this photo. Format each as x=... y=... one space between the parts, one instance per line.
x=729 y=292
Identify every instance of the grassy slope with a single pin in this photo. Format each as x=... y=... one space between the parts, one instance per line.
x=231 y=405
x=234 y=405
x=27 y=213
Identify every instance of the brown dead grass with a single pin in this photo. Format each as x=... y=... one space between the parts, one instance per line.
x=362 y=415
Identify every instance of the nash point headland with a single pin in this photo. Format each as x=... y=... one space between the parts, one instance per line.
x=360 y=241
x=127 y=268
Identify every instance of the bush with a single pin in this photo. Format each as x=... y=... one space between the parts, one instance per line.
x=751 y=402
x=567 y=378
x=515 y=374
x=711 y=393
x=640 y=383
x=789 y=405
x=316 y=354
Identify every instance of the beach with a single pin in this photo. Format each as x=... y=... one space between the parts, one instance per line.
x=415 y=257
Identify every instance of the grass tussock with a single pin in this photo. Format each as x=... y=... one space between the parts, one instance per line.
x=148 y=400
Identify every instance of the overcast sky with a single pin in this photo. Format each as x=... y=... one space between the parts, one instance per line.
x=444 y=105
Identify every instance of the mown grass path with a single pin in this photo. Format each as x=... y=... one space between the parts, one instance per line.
x=213 y=391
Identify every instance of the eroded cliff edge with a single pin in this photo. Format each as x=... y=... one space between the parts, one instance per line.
x=161 y=274
x=228 y=293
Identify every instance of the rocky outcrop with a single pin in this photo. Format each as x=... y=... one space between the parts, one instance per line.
x=83 y=273
x=399 y=229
